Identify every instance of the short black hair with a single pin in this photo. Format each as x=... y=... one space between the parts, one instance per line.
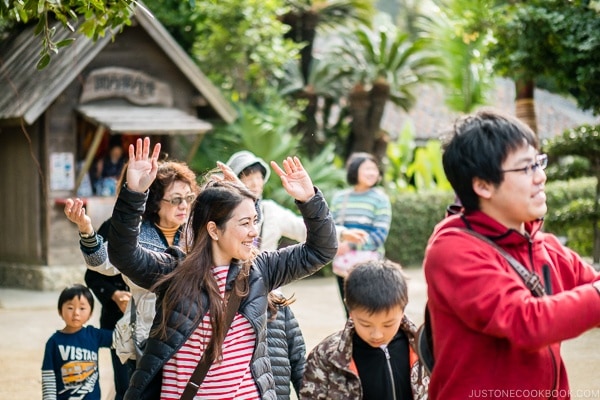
x=376 y=286
x=353 y=164
x=76 y=290
x=250 y=169
x=477 y=146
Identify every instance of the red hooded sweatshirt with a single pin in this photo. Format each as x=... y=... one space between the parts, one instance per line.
x=491 y=337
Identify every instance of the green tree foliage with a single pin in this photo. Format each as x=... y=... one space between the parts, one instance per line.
x=412 y=168
x=583 y=141
x=178 y=18
x=556 y=40
x=266 y=131
x=99 y=17
x=306 y=17
x=386 y=65
x=262 y=130
x=461 y=34
x=241 y=47
x=578 y=61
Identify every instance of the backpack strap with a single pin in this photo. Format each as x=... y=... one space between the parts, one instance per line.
x=425 y=343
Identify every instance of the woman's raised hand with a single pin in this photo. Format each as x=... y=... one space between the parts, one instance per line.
x=295 y=179
x=142 y=168
x=228 y=174
x=75 y=212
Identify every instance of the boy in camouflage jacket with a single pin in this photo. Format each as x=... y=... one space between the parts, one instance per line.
x=374 y=356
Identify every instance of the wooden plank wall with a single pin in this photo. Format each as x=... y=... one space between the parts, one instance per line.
x=21 y=204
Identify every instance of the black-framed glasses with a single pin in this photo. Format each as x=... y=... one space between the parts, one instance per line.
x=541 y=162
x=175 y=201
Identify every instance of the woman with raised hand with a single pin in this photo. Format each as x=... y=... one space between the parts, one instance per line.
x=193 y=290
x=167 y=209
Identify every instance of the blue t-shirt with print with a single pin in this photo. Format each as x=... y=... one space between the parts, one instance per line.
x=70 y=366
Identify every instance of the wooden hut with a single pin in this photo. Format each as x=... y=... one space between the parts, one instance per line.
x=56 y=122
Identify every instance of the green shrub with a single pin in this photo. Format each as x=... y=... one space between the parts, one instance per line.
x=570 y=209
x=414 y=215
x=561 y=193
x=568 y=167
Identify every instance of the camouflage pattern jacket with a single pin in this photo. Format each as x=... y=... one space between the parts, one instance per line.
x=331 y=374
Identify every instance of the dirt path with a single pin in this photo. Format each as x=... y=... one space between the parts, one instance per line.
x=25 y=329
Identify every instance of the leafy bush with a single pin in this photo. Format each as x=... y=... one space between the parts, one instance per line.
x=412 y=168
x=414 y=215
x=583 y=141
x=570 y=207
x=561 y=193
x=568 y=167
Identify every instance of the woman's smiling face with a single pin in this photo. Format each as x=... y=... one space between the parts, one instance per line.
x=236 y=239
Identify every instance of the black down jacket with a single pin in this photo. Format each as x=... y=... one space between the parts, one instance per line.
x=269 y=271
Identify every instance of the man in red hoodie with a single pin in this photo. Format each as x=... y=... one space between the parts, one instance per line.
x=492 y=338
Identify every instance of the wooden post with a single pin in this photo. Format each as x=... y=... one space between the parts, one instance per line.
x=194 y=148
x=89 y=158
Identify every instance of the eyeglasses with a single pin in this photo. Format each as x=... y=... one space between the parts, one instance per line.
x=541 y=162
x=175 y=201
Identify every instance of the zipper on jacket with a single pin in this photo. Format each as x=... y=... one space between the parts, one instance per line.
x=554 y=364
x=389 y=365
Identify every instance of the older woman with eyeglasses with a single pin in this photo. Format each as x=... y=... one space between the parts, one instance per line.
x=167 y=210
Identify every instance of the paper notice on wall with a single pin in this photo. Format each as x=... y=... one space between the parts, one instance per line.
x=62 y=171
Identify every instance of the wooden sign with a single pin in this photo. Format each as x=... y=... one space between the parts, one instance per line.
x=135 y=86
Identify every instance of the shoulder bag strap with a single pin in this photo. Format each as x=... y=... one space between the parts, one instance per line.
x=233 y=304
x=531 y=279
x=343 y=208
x=133 y=318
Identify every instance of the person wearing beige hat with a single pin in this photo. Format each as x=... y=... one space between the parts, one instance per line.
x=276 y=221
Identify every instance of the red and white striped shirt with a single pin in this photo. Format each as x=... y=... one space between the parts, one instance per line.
x=229 y=379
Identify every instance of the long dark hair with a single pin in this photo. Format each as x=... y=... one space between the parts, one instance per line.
x=277 y=300
x=193 y=276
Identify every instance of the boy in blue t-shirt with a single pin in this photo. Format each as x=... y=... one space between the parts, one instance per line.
x=70 y=366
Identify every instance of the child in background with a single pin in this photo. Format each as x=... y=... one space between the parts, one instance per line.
x=70 y=366
x=374 y=356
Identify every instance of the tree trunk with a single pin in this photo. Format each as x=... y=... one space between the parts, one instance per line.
x=303 y=28
x=310 y=19
x=308 y=126
x=380 y=93
x=293 y=20
x=359 y=104
x=525 y=104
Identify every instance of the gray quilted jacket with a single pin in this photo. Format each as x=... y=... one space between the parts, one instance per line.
x=287 y=352
x=270 y=270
